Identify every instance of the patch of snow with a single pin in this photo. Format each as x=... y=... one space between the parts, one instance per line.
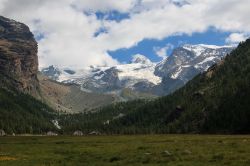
x=138 y=58
x=161 y=63
x=56 y=124
x=137 y=71
x=177 y=73
x=98 y=76
x=64 y=76
x=186 y=66
x=197 y=49
x=214 y=46
x=208 y=59
x=201 y=48
x=119 y=116
x=107 y=122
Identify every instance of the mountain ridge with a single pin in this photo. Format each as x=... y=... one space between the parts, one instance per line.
x=141 y=74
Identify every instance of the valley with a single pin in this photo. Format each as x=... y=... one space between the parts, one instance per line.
x=204 y=83
x=132 y=82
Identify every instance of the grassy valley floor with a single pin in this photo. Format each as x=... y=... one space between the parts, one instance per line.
x=180 y=150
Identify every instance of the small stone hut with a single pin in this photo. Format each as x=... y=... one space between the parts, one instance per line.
x=50 y=133
x=78 y=133
x=95 y=133
x=2 y=132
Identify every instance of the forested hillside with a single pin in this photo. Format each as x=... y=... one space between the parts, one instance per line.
x=216 y=101
x=20 y=113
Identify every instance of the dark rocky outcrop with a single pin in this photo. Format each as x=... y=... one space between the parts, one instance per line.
x=18 y=57
x=52 y=72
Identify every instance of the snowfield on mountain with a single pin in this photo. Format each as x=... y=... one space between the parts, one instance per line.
x=142 y=75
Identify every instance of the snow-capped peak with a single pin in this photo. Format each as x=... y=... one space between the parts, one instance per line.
x=181 y=66
x=138 y=58
x=214 y=46
x=190 y=46
x=201 y=48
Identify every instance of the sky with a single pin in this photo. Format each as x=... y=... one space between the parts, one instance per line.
x=81 y=33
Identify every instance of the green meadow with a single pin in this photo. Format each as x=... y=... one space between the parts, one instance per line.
x=179 y=150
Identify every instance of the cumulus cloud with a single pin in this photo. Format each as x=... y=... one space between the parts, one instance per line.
x=160 y=22
x=67 y=28
x=162 y=51
x=235 y=38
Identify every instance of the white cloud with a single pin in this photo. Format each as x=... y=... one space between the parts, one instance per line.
x=160 y=22
x=235 y=38
x=69 y=33
x=162 y=51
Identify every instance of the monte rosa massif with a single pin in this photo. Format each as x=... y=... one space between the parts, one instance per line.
x=141 y=75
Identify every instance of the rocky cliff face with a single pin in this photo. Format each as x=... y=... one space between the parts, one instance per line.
x=18 y=57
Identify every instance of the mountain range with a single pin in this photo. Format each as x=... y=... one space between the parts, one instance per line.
x=141 y=75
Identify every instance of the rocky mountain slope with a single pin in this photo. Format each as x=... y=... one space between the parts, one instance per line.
x=185 y=63
x=142 y=75
x=18 y=57
x=68 y=98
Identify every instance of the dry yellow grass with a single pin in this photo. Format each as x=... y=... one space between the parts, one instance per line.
x=7 y=158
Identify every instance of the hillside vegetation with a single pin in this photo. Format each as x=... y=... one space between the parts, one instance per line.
x=216 y=101
x=21 y=113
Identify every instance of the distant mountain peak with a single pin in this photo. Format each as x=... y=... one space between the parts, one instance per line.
x=138 y=58
x=143 y=75
x=187 y=61
x=52 y=72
